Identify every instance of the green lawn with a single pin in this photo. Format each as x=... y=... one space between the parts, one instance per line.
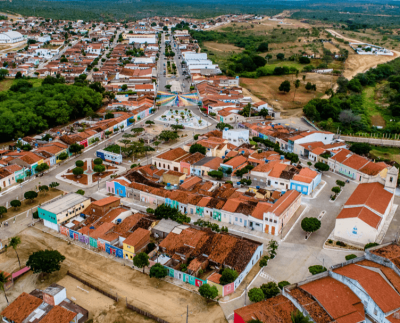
x=391 y=153
x=371 y=108
x=6 y=83
x=275 y=63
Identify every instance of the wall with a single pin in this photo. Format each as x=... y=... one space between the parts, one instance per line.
x=185 y=277
x=355 y=231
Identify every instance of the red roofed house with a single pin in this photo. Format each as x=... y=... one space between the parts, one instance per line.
x=271 y=218
x=364 y=214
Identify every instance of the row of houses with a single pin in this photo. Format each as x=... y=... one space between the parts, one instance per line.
x=364 y=289
x=113 y=228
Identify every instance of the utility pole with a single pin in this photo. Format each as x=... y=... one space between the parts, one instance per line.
x=187 y=314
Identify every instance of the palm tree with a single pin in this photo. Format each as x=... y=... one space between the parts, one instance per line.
x=298 y=317
x=3 y=281
x=14 y=242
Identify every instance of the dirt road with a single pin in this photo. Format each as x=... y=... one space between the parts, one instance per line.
x=361 y=63
x=160 y=298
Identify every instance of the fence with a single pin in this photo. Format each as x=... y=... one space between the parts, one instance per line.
x=115 y=298
x=144 y=313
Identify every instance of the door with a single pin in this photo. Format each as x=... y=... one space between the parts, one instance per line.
x=273 y=230
x=266 y=228
x=245 y=223
x=230 y=219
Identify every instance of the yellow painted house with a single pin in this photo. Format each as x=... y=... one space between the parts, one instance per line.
x=135 y=242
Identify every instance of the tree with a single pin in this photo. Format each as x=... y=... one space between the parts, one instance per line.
x=310 y=224
x=54 y=184
x=221 y=126
x=158 y=271
x=3 y=73
x=3 y=281
x=177 y=127
x=298 y=317
x=77 y=171
x=99 y=169
x=348 y=117
x=256 y=295
x=63 y=156
x=79 y=163
x=309 y=164
x=197 y=148
x=304 y=60
x=14 y=243
x=316 y=269
x=124 y=87
x=263 y=47
x=141 y=260
x=296 y=86
x=45 y=261
x=167 y=135
x=207 y=291
x=216 y=173
x=150 y=210
x=30 y=195
x=360 y=148
x=15 y=203
x=285 y=86
x=42 y=167
x=309 y=86
x=109 y=115
x=2 y=211
x=280 y=56
x=336 y=190
x=270 y=289
x=282 y=284
x=81 y=192
x=340 y=183
x=43 y=188
x=321 y=167
x=149 y=122
x=98 y=161
x=76 y=148
x=228 y=276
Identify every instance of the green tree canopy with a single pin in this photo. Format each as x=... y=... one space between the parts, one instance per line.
x=99 y=168
x=285 y=86
x=77 y=171
x=14 y=243
x=256 y=295
x=298 y=317
x=158 y=271
x=197 y=148
x=141 y=260
x=310 y=224
x=30 y=195
x=45 y=261
x=321 y=166
x=208 y=291
x=270 y=289
x=79 y=163
x=97 y=161
x=76 y=148
x=228 y=276
x=316 y=269
x=15 y=203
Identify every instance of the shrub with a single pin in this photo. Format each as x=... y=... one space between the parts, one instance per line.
x=98 y=161
x=150 y=210
x=270 y=289
x=81 y=192
x=330 y=241
x=228 y=276
x=340 y=243
x=158 y=271
x=283 y=284
x=317 y=269
x=79 y=163
x=208 y=291
x=349 y=257
x=256 y=295
x=264 y=261
x=370 y=245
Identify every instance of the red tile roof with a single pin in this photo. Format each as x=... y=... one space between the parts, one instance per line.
x=364 y=214
x=106 y=201
x=284 y=202
x=58 y=314
x=372 y=195
x=337 y=299
x=172 y=154
x=137 y=237
x=21 y=308
x=374 y=284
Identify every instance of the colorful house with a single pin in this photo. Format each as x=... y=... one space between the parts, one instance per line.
x=135 y=242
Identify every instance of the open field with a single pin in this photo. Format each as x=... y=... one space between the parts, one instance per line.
x=157 y=297
x=27 y=205
x=7 y=82
x=222 y=47
x=391 y=153
x=266 y=88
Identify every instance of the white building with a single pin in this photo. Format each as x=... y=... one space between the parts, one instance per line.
x=364 y=214
x=11 y=37
x=236 y=137
x=143 y=38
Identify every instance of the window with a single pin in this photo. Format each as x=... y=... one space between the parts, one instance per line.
x=236 y=219
x=391 y=179
x=240 y=220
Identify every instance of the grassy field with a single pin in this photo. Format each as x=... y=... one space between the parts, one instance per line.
x=6 y=83
x=371 y=107
x=391 y=153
